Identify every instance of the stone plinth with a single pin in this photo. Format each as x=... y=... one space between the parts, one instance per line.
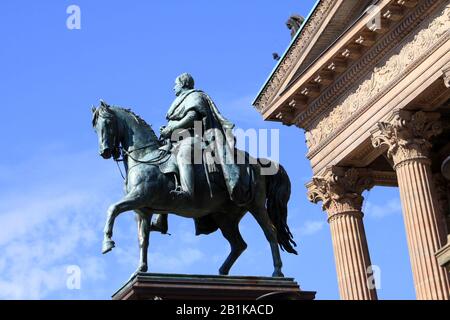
x=151 y=286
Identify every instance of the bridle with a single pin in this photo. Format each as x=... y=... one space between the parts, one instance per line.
x=123 y=153
x=160 y=158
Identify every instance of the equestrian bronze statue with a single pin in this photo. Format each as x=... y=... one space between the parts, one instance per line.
x=192 y=170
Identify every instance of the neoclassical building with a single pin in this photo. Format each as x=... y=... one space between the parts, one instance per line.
x=369 y=83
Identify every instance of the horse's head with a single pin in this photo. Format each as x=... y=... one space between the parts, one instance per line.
x=105 y=124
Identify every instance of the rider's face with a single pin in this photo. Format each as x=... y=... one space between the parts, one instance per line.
x=178 y=88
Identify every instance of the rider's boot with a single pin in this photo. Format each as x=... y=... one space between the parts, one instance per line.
x=161 y=224
x=186 y=192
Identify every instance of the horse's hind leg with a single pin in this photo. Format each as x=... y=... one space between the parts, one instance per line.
x=130 y=202
x=230 y=230
x=263 y=219
x=144 y=217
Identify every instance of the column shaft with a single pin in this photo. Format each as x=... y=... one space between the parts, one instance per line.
x=339 y=189
x=351 y=256
x=425 y=234
x=408 y=138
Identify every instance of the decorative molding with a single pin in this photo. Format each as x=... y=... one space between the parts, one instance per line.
x=406 y=135
x=363 y=67
x=380 y=79
x=446 y=75
x=293 y=54
x=340 y=190
x=385 y=178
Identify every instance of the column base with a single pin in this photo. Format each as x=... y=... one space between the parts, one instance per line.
x=153 y=286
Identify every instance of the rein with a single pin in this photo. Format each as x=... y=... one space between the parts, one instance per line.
x=153 y=161
x=124 y=153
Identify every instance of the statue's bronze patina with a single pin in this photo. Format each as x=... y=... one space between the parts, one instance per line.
x=294 y=23
x=198 y=176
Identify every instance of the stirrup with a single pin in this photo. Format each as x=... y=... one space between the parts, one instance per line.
x=177 y=189
x=158 y=228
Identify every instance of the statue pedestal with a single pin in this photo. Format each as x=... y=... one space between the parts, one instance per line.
x=152 y=286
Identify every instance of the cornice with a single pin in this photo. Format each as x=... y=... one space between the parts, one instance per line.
x=320 y=108
x=291 y=57
x=359 y=69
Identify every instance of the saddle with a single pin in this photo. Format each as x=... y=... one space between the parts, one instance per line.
x=168 y=164
x=166 y=161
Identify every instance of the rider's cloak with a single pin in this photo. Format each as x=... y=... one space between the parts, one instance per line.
x=237 y=177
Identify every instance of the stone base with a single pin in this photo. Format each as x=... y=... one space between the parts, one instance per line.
x=443 y=255
x=152 y=286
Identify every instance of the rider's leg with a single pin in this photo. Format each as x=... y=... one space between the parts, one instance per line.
x=186 y=169
x=187 y=179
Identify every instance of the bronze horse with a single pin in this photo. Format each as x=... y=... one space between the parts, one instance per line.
x=148 y=191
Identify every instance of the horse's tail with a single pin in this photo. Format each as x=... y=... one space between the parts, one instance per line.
x=278 y=192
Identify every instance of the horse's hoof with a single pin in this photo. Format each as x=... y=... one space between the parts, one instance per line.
x=142 y=268
x=223 y=272
x=108 y=245
x=278 y=274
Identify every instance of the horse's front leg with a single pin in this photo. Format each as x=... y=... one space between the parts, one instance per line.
x=130 y=202
x=144 y=219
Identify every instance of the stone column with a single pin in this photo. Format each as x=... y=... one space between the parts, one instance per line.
x=406 y=136
x=340 y=191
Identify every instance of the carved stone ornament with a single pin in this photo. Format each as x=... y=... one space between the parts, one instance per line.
x=340 y=190
x=406 y=135
x=380 y=79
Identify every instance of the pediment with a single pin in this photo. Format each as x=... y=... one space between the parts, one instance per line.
x=345 y=14
x=326 y=22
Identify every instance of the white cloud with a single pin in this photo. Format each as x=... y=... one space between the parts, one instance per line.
x=178 y=261
x=309 y=228
x=47 y=224
x=34 y=259
x=162 y=259
x=391 y=207
x=175 y=253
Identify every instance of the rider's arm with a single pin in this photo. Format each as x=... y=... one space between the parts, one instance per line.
x=185 y=123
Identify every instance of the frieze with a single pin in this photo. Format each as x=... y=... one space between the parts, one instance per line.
x=414 y=49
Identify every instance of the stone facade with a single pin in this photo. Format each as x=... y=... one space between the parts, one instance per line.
x=374 y=103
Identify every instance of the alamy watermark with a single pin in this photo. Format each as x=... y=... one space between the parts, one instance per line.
x=73 y=21
x=221 y=147
x=73 y=281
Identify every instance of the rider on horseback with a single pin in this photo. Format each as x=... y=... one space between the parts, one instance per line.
x=191 y=108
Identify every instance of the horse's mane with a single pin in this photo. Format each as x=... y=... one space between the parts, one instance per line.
x=135 y=116
x=138 y=119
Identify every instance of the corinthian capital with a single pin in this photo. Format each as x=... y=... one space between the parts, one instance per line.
x=407 y=135
x=339 y=189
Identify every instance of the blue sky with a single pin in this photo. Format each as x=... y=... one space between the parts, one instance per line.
x=55 y=189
